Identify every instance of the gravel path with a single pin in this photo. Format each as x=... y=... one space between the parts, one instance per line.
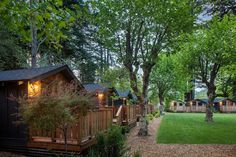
x=148 y=147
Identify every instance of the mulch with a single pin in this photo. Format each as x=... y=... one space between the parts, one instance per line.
x=148 y=147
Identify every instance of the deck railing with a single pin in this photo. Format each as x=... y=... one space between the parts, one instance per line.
x=228 y=108
x=86 y=128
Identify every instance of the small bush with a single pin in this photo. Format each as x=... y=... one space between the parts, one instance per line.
x=110 y=144
x=137 y=154
x=149 y=117
x=125 y=129
x=157 y=114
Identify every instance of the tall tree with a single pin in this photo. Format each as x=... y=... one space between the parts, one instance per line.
x=139 y=30
x=117 y=77
x=220 y=8
x=11 y=52
x=36 y=22
x=166 y=80
x=207 y=51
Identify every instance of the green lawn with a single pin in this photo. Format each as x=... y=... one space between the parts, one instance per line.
x=190 y=128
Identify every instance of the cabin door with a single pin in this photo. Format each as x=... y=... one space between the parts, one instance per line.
x=11 y=131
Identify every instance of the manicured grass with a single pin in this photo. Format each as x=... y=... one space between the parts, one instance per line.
x=190 y=128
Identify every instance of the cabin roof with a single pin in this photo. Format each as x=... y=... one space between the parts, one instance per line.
x=34 y=74
x=135 y=98
x=216 y=100
x=124 y=94
x=94 y=87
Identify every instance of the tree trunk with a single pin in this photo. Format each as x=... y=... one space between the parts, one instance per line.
x=65 y=139
x=144 y=125
x=161 y=99
x=34 y=42
x=209 y=107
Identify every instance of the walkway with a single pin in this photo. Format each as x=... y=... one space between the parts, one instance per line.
x=148 y=147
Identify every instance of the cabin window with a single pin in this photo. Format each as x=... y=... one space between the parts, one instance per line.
x=224 y=103
x=100 y=98
x=34 y=89
x=180 y=104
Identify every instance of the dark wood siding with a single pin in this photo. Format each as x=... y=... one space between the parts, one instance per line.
x=10 y=131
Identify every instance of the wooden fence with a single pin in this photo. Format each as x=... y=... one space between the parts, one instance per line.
x=83 y=131
x=126 y=114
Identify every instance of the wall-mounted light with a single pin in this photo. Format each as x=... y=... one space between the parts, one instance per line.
x=34 y=88
x=221 y=103
x=20 y=82
x=100 y=95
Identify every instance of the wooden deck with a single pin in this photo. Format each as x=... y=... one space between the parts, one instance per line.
x=83 y=134
x=80 y=136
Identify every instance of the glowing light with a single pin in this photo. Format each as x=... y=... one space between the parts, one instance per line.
x=191 y=103
x=100 y=96
x=221 y=103
x=34 y=89
x=20 y=82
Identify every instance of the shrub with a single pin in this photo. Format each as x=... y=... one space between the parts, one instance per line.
x=149 y=117
x=137 y=154
x=111 y=143
x=56 y=107
x=157 y=114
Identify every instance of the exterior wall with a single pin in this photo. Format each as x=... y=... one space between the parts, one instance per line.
x=53 y=82
x=191 y=106
x=197 y=106
x=10 y=132
x=228 y=106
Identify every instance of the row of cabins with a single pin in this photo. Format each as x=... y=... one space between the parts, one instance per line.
x=224 y=105
x=112 y=106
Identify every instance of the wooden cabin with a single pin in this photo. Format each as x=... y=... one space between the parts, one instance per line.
x=125 y=109
x=177 y=106
x=124 y=98
x=104 y=95
x=225 y=105
x=30 y=83
x=196 y=105
x=199 y=105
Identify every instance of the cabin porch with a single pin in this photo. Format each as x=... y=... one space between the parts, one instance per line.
x=79 y=137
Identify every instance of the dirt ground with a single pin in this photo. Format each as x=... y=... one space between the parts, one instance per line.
x=148 y=147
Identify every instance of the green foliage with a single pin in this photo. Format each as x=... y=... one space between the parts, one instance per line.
x=207 y=51
x=149 y=117
x=137 y=154
x=207 y=47
x=166 y=80
x=117 y=77
x=45 y=15
x=156 y=114
x=54 y=109
x=111 y=143
x=11 y=53
x=139 y=30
